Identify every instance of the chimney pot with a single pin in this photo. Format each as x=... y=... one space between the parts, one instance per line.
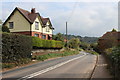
x=33 y=10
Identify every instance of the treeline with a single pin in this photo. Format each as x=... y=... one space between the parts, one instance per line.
x=76 y=42
x=85 y=39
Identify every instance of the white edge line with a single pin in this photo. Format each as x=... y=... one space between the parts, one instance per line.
x=48 y=69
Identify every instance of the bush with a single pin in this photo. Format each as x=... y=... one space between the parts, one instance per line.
x=41 y=43
x=114 y=58
x=74 y=43
x=15 y=48
x=5 y=29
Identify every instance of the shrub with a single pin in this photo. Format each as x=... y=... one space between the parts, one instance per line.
x=5 y=29
x=114 y=58
x=15 y=48
x=41 y=43
x=74 y=43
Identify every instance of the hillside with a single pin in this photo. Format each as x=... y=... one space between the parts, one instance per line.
x=83 y=39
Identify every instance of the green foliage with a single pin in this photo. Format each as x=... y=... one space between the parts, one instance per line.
x=52 y=55
x=84 y=46
x=58 y=37
x=8 y=65
x=5 y=29
x=94 y=46
x=74 y=43
x=114 y=30
x=89 y=39
x=16 y=48
x=41 y=43
x=92 y=52
x=85 y=39
x=114 y=58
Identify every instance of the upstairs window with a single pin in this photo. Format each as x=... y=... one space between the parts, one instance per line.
x=47 y=29
x=11 y=25
x=36 y=25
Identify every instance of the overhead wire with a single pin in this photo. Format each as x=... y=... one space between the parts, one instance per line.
x=72 y=12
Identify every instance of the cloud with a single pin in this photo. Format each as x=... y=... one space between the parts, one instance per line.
x=86 y=18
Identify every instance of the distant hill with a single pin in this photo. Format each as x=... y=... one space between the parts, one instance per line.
x=82 y=39
x=89 y=39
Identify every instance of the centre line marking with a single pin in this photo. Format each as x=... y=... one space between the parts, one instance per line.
x=48 y=69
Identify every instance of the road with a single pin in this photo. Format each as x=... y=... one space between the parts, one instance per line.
x=76 y=66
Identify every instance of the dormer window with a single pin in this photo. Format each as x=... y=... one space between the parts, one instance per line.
x=36 y=25
x=11 y=25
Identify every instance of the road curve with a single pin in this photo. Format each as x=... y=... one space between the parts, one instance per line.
x=77 y=66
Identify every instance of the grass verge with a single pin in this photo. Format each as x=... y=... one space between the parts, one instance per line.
x=53 y=55
x=40 y=58
x=92 y=52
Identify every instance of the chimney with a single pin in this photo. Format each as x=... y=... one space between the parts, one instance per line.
x=33 y=10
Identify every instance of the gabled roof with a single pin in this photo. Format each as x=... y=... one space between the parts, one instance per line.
x=30 y=17
x=45 y=20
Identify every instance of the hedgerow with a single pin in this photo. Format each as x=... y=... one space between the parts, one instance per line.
x=41 y=43
x=16 y=48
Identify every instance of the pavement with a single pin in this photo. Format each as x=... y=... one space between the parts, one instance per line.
x=101 y=70
x=79 y=66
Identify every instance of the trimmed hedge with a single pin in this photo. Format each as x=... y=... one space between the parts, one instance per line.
x=41 y=43
x=15 y=48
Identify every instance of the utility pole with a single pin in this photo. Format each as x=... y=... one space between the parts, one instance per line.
x=66 y=34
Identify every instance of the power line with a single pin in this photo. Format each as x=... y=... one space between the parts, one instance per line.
x=72 y=12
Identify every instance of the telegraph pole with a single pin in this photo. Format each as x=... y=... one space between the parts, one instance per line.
x=66 y=34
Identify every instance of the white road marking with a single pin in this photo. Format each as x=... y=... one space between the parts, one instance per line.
x=48 y=69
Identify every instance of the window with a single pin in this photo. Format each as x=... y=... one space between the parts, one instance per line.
x=36 y=25
x=43 y=36
x=47 y=29
x=36 y=35
x=11 y=25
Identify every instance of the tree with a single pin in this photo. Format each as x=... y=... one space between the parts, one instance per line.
x=114 y=30
x=5 y=29
x=84 y=46
x=58 y=37
x=94 y=46
x=74 y=43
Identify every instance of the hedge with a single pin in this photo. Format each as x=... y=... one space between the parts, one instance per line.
x=41 y=43
x=16 y=48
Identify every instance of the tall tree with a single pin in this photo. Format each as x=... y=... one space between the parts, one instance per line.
x=58 y=37
x=74 y=43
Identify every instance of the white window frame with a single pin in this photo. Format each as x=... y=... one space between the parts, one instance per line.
x=36 y=25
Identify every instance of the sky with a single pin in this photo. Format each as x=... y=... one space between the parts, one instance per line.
x=84 y=18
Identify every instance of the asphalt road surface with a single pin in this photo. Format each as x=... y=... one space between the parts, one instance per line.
x=76 y=66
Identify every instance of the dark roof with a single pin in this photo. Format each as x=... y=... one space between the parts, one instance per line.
x=111 y=34
x=45 y=20
x=30 y=17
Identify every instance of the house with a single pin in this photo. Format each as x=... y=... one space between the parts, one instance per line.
x=29 y=23
x=108 y=40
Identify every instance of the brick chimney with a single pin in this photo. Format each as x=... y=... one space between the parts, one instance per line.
x=33 y=10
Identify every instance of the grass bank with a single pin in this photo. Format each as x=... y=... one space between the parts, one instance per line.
x=40 y=58
x=53 y=55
